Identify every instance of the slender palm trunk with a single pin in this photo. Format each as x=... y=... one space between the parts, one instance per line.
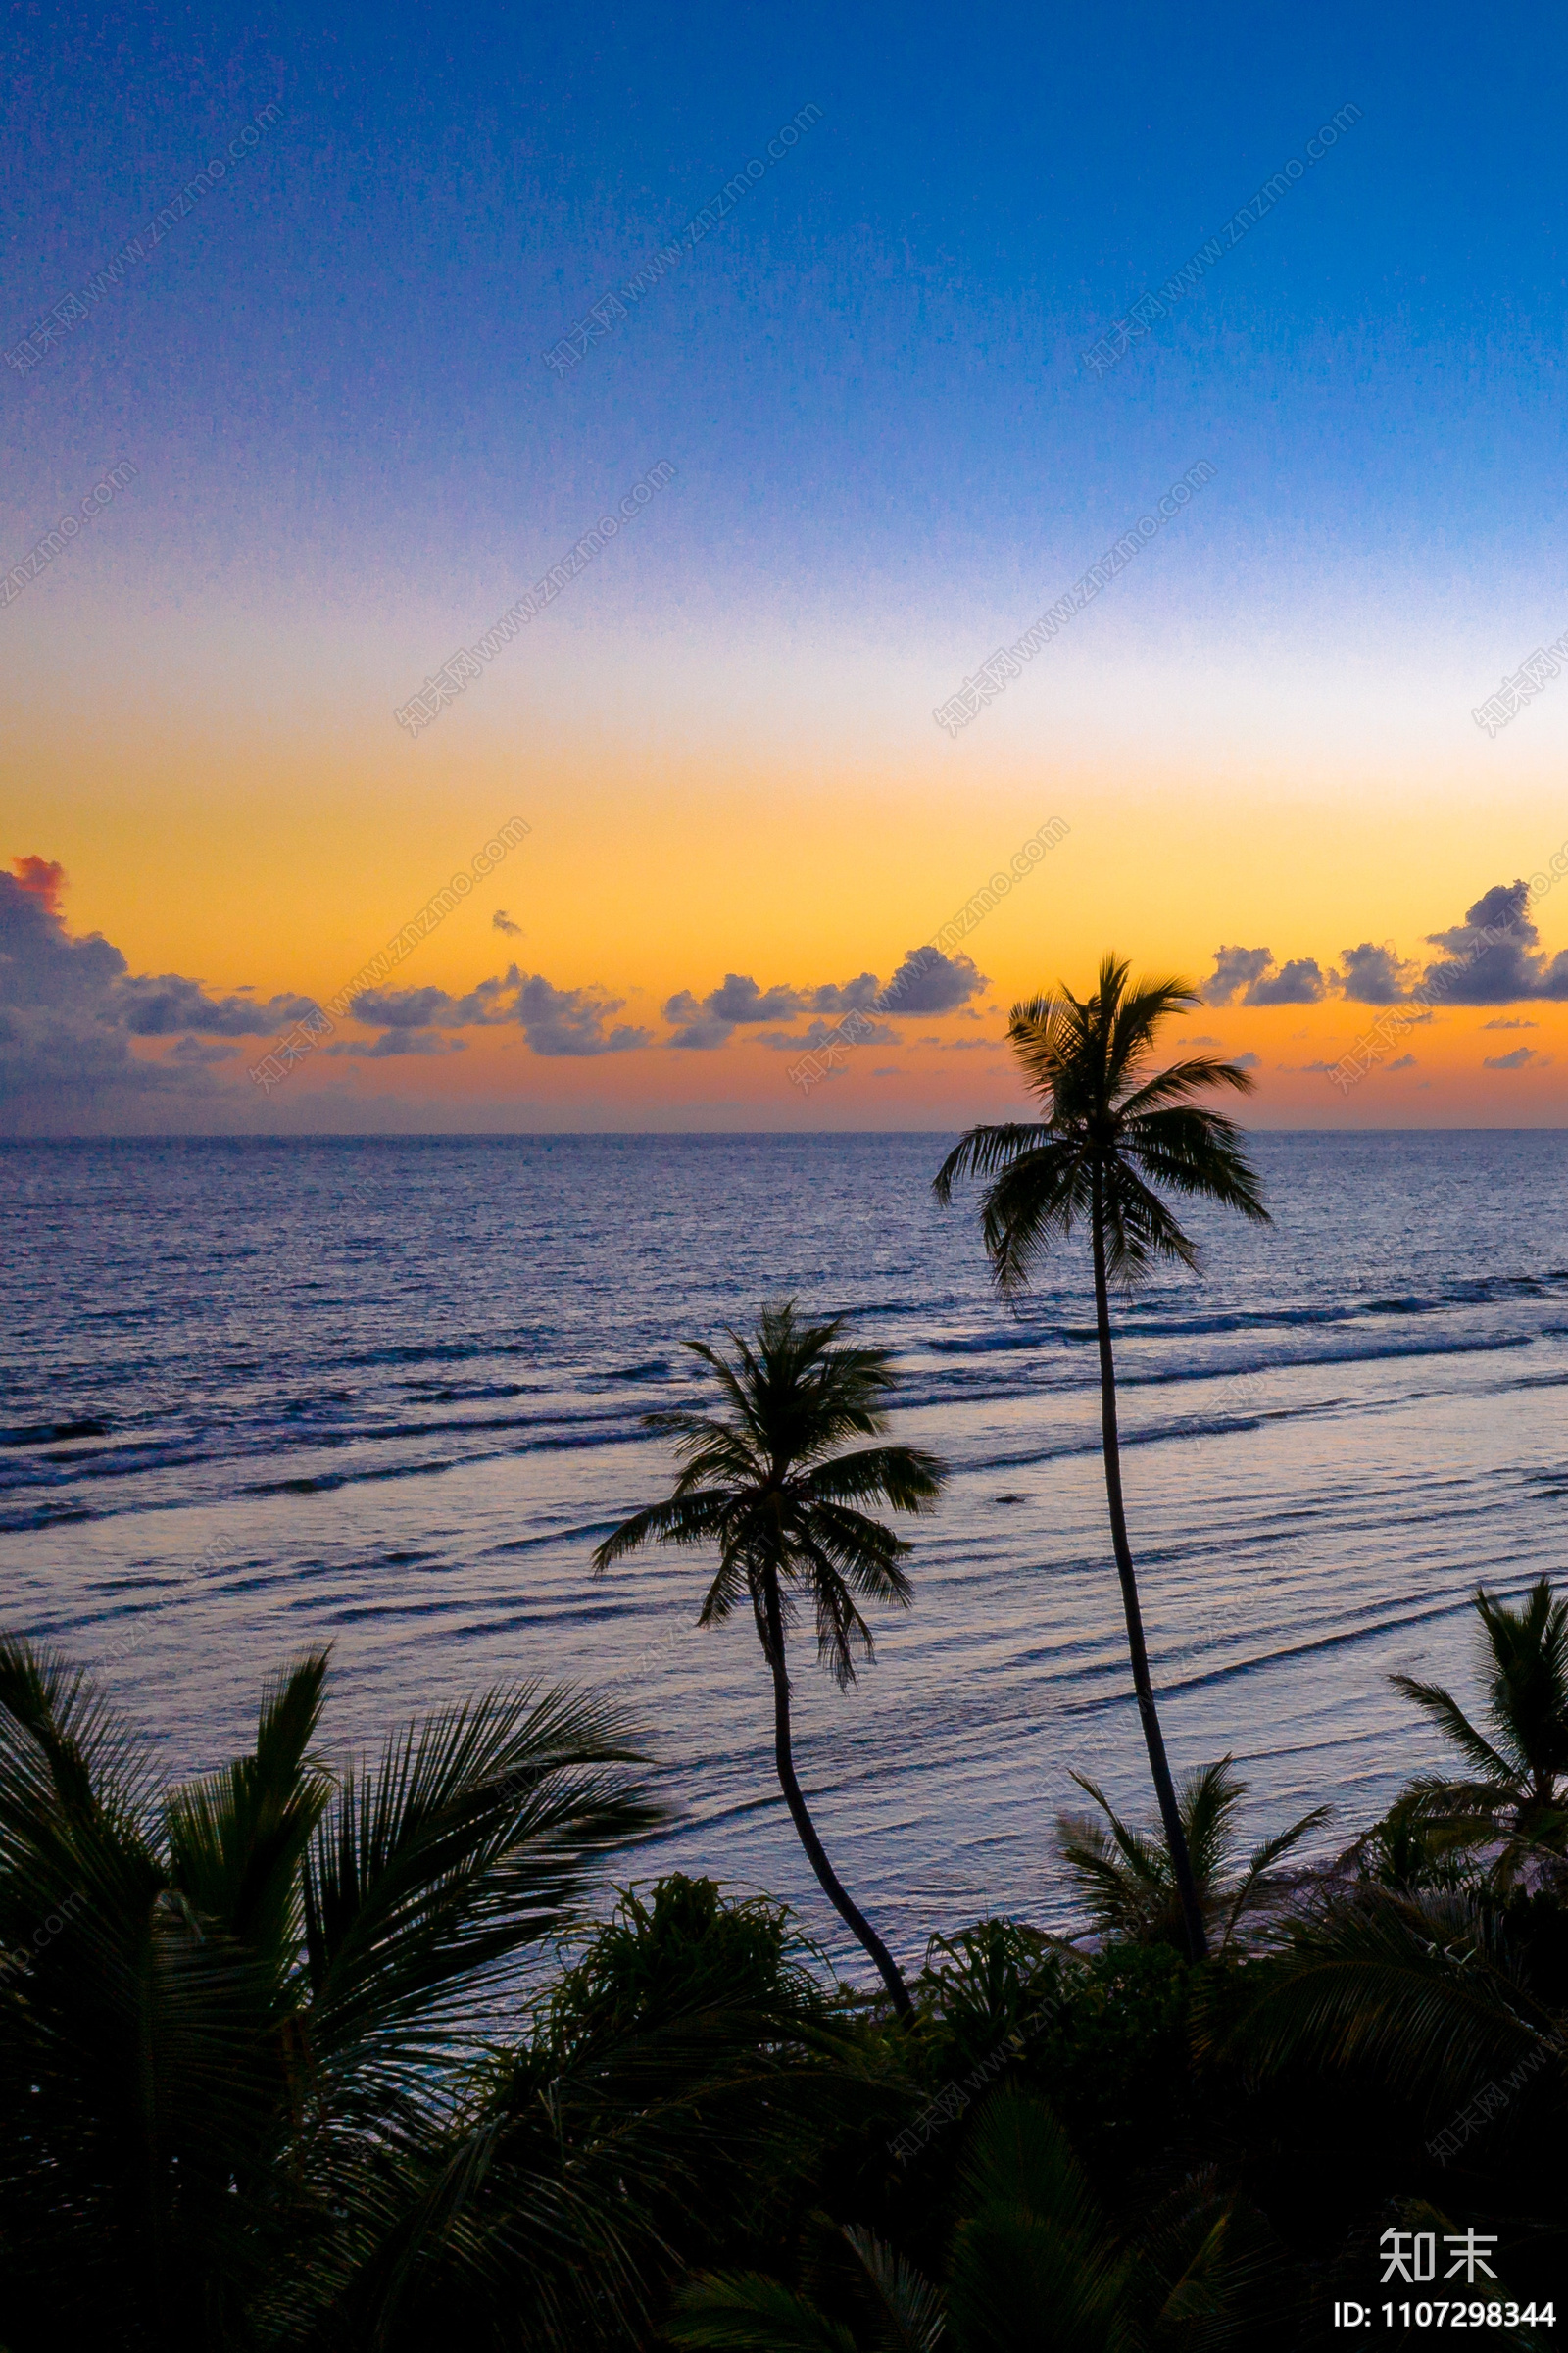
x=1175 y=1837
x=816 y=1853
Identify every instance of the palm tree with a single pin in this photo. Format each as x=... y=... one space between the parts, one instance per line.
x=1518 y=1766
x=762 y=1482
x=1110 y=1136
x=1125 y=1875
x=226 y=2007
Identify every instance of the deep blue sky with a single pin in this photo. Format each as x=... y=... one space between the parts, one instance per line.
x=870 y=375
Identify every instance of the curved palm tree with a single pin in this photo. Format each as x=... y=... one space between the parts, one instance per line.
x=1111 y=1137
x=1518 y=1766
x=763 y=1482
x=1125 y=1875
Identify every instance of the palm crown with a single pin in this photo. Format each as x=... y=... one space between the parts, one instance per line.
x=1108 y=1126
x=1516 y=1764
x=1125 y=1875
x=762 y=1482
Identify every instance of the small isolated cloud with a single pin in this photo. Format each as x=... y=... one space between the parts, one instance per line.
x=1511 y=1025
x=502 y=922
x=1248 y=1061
x=1521 y=1056
x=888 y=1070
x=1406 y=1062
x=1197 y=1041
x=1373 y=975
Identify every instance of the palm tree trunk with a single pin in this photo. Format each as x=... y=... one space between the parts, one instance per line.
x=1175 y=1837
x=816 y=1853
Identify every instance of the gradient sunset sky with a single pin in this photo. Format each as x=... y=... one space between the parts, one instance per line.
x=351 y=456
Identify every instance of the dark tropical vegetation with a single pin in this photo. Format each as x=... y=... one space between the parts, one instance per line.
x=1124 y=1878
x=303 y=2058
x=1113 y=1137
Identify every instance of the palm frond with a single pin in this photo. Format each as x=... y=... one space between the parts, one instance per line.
x=743 y=2312
x=469 y=1839
x=1450 y=1719
x=983 y=1151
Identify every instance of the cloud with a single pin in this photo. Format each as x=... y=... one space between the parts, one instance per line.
x=43 y=879
x=712 y=1022
x=929 y=982
x=846 y=997
x=1234 y=969
x=740 y=1000
x=555 y=1021
x=163 y=1004
x=572 y=1021
x=1373 y=975
x=1406 y=1062
x=925 y=982
x=394 y=1041
x=1521 y=1056
x=420 y=1008
x=1511 y=1025
x=70 y=1010
x=696 y=1029
x=1248 y=1061
x=821 y=1033
x=1493 y=957
x=502 y=922
x=190 y=1055
x=1299 y=982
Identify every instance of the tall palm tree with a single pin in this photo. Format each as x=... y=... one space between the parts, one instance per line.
x=1518 y=1765
x=764 y=1484
x=1110 y=1136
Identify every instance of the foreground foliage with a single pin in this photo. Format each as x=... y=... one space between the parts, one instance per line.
x=302 y=2062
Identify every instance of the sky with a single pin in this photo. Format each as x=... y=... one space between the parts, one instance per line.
x=343 y=542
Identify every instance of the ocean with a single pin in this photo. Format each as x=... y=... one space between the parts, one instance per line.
x=257 y=1395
